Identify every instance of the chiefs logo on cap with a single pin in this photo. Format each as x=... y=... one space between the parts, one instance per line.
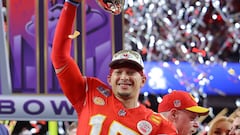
x=177 y=103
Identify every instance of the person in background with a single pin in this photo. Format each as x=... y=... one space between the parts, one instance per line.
x=104 y=109
x=235 y=128
x=182 y=110
x=220 y=126
x=3 y=130
x=72 y=129
x=25 y=131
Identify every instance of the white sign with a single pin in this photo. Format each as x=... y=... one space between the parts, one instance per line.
x=36 y=107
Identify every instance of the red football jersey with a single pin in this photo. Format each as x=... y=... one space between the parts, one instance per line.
x=99 y=112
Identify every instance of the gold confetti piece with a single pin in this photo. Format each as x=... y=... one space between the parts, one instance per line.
x=74 y=35
x=231 y=71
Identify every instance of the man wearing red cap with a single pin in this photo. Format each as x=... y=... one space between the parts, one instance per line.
x=102 y=110
x=182 y=110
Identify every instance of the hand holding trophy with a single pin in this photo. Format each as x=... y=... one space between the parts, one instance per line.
x=114 y=7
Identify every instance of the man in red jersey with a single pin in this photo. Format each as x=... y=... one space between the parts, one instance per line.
x=182 y=110
x=103 y=110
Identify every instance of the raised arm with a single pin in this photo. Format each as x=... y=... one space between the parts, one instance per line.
x=68 y=73
x=61 y=42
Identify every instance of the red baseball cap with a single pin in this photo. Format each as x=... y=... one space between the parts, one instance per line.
x=181 y=100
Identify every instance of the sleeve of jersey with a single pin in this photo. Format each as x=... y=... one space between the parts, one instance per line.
x=70 y=78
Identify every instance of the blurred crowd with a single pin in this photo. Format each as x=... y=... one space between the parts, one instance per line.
x=9 y=127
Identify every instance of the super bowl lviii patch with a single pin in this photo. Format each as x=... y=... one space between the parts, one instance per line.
x=105 y=92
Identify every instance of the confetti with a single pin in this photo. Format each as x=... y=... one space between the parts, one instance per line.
x=74 y=35
x=202 y=52
x=167 y=29
x=231 y=71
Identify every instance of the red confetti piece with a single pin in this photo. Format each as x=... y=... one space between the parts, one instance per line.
x=196 y=50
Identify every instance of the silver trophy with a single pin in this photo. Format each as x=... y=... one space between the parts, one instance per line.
x=114 y=7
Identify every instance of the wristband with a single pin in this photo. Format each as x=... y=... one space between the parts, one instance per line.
x=73 y=2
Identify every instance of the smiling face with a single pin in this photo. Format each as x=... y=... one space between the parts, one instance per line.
x=126 y=83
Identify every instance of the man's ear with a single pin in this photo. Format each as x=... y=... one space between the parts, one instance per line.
x=174 y=114
x=144 y=79
x=109 y=79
